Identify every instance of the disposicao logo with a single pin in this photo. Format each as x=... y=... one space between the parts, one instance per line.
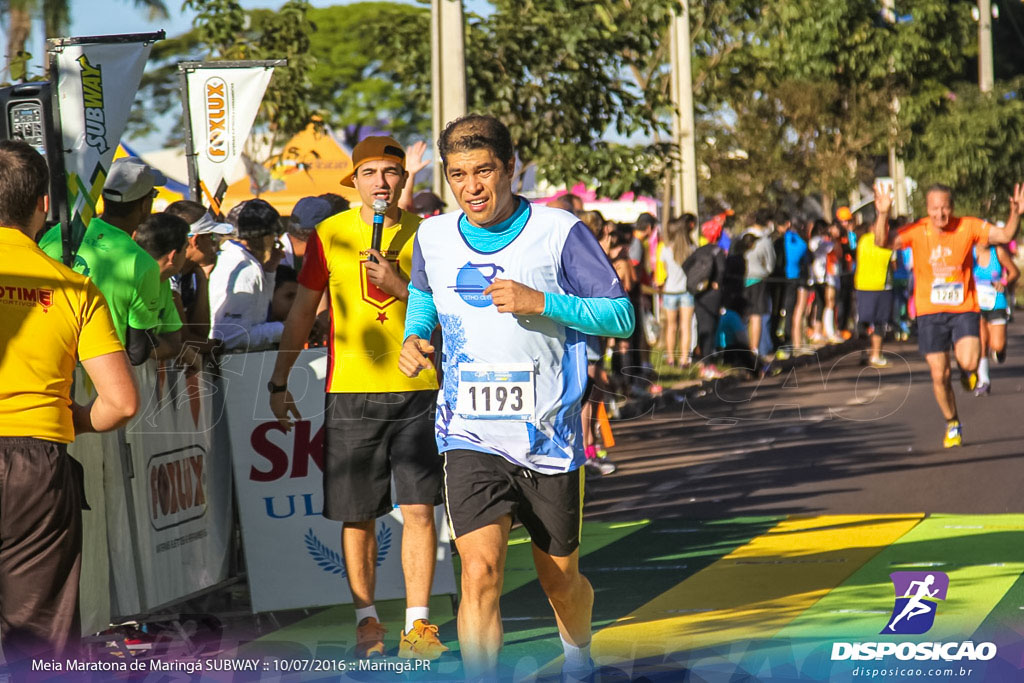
x=917 y=598
x=918 y=595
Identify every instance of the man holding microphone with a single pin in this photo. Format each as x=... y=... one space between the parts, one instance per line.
x=378 y=422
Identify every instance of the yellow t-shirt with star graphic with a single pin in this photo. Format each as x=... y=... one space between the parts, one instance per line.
x=367 y=324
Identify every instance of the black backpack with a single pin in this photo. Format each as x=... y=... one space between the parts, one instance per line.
x=700 y=268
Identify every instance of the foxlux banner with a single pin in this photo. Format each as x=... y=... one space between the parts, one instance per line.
x=181 y=488
x=96 y=79
x=222 y=105
x=293 y=553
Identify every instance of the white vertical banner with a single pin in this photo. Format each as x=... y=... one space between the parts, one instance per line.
x=222 y=99
x=181 y=486
x=96 y=80
x=293 y=553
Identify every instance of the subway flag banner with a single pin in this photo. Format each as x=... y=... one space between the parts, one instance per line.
x=96 y=80
x=222 y=101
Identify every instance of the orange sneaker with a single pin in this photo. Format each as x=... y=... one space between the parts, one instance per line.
x=370 y=638
x=421 y=642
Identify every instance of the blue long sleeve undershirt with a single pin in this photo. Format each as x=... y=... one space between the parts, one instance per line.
x=599 y=317
x=605 y=317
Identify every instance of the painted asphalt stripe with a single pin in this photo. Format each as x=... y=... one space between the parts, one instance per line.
x=754 y=591
x=625 y=576
x=983 y=556
x=336 y=624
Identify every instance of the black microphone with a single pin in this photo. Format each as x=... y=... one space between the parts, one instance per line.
x=379 y=207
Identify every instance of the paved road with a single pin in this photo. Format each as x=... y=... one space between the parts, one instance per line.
x=829 y=437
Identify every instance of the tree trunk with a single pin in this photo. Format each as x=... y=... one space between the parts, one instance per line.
x=18 y=29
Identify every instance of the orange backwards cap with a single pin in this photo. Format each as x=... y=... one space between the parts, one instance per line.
x=844 y=213
x=374 y=148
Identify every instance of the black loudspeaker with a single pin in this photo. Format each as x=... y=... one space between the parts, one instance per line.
x=26 y=113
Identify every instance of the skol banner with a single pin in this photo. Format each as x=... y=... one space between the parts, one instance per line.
x=97 y=79
x=293 y=553
x=222 y=99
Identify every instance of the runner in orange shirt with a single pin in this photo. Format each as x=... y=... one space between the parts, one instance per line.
x=945 y=296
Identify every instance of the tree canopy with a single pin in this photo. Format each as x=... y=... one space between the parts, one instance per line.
x=792 y=98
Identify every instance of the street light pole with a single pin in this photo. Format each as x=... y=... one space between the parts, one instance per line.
x=685 y=185
x=447 y=77
x=986 y=69
x=896 y=167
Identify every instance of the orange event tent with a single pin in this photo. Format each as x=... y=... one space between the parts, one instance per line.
x=310 y=164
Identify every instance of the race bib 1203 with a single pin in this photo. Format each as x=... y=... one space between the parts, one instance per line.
x=947 y=293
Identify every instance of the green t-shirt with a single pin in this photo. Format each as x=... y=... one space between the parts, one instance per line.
x=127 y=276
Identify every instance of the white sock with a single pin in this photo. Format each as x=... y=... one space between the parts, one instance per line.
x=576 y=658
x=983 y=371
x=830 y=322
x=363 y=612
x=414 y=613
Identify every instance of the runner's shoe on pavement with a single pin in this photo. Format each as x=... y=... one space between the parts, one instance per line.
x=984 y=389
x=582 y=674
x=879 y=362
x=968 y=380
x=370 y=638
x=954 y=436
x=421 y=642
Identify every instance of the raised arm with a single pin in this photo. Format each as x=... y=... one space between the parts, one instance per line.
x=883 y=203
x=1007 y=233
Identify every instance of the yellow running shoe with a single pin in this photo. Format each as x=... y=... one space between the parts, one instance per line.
x=968 y=380
x=421 y=642
x=954 y=437
x=370 y=638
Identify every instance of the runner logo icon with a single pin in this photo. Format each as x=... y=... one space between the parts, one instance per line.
x=471 y=281
x=917 y=597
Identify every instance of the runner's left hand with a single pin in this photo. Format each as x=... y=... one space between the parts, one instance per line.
x=383 y=274
x=1017 y=199
x=511 y=297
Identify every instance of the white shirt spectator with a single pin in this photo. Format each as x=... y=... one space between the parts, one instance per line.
x=289 y=251
x=240 y=294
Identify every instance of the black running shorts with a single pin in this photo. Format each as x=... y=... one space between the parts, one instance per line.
x=481 y=487
x=997 y=316
x=370 y=437
x=939 y=332
x=756 y=298
x=874 y=307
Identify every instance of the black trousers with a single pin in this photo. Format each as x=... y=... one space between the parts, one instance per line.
x=705 y=309
x=41 y=493
x=783 y=302
x=844 y=302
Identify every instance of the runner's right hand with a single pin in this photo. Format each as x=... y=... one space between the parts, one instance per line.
x=413 y=358
x=883 y=198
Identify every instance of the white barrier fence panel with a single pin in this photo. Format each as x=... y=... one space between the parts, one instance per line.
x=181 y=488
x=160 y=525
x=293 y=554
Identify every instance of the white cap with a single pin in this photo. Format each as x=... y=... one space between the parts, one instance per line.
x=208 y=225
x=130 y=179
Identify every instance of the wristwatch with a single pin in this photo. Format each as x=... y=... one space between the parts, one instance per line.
x=276 y=388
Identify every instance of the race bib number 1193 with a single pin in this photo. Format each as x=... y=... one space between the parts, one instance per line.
x=496 y=391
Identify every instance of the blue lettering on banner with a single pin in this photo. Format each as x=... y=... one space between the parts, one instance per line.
x=274 y=509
